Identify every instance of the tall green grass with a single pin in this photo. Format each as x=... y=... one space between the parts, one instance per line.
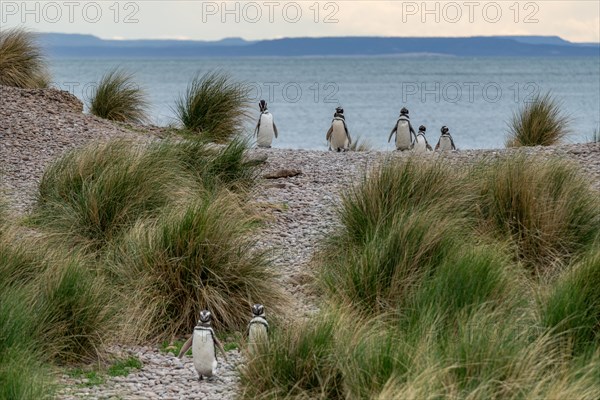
x=23 y=373
x=194 y=257
x=214 y=106
x=300 y=363
x=430 y=281
x=92 y=195
x=572 y=308
x=77 y=311
x=541 y=122
x=212 y=168
x=118 y=98
x=380 y=273
x=546 y=208
x=400 y=186
x=22 y=63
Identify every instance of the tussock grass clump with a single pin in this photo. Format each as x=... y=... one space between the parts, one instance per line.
x=464 y=282
x=214 y=106
x=118 y=98
x=397 y=187
x=299 y=363
x=23 y=373
x=428 y=268
x=22 y=63
x=380 y=274
x=546 y=208
x=90 y=196
x=194 y=257
x=538 y=123
x=212 y=168
x=73 y=308
x=572 y=308
x=76 y=309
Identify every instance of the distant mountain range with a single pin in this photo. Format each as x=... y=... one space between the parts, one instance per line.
x=77 y=45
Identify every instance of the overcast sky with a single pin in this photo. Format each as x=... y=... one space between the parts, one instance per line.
x=577 y=21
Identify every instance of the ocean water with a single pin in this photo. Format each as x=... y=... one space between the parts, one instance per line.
x=474 y=97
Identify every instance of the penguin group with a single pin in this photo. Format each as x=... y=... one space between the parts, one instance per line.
x=204 y=342
x=339 y=139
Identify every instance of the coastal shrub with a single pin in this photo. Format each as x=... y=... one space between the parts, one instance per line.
x=572 y=307
x=118 y=98
x=22 y=63
x=91 y=195
x=196 y=256
x=300 y=362
x=381 y=272
x=214 y=106
x=545 y=207
x=540 y=122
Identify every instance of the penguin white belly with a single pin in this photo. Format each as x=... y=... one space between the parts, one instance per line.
x=420 y=144
x=265 y=131
x=339 y=139
x=203 y=352
x=403 y=137
x=445 y=144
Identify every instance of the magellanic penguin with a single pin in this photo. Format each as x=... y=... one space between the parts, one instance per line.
x=405 y=134
x=338 y=136
x=421 y=145
x=265 y=128
x=445 y=143
x=204 y=347
x=258 y=329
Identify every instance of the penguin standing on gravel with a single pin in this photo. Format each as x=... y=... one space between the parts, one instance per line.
x=445 y=143
x=265 y=128
x=405 y=134
x=338 y=136
x=421 y=145
x=258 y=328
x=204 y=347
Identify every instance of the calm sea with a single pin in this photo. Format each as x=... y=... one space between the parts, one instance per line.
x=474 y=97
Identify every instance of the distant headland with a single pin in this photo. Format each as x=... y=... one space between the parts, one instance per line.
x=79 y=45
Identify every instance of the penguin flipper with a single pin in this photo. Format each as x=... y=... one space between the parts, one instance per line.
x=347 y=133
x=452 y=141
x=257 y=127
x=220 y=346
x=275 y=129
x=428 y=146
x=437 y=146
x=393 y=131
x=329 y=132
x=186 y=346
x=412 y=131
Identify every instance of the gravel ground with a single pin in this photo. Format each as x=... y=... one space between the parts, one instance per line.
x=36 y=126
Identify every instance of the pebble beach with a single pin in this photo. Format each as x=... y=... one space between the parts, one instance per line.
x=37 y=126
